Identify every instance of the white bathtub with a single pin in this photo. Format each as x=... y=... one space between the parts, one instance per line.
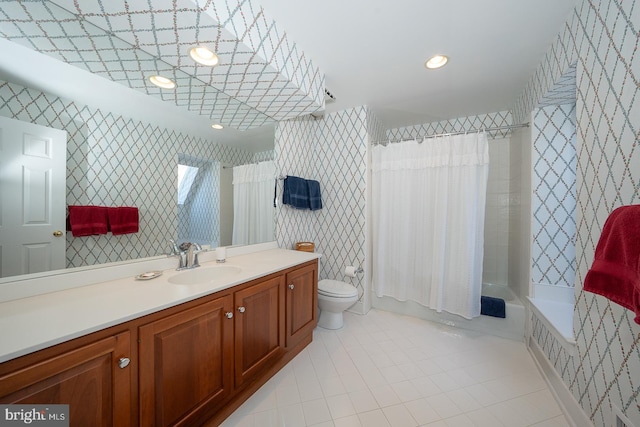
x=510 y=327
x=500 y=291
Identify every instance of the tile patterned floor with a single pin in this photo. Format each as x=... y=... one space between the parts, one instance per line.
x=385 y=369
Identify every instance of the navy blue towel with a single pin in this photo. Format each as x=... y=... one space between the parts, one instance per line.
x=315 y=199
x=490 y=306
x=296 y=192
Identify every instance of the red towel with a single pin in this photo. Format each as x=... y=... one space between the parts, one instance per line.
x=123 y=220
x=615 y=272
x=87 y=220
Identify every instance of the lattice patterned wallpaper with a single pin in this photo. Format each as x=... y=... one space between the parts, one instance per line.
x=601 y=38
x=331 y=150
x=115 y=161
x=262 y=75
x=461 y=124
x=554 y=199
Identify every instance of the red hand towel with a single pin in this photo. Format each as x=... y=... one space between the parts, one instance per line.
x=615 y=272
x=123 y=220
x=87 y=220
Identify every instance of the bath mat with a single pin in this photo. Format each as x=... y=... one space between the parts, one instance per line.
x=495 y=307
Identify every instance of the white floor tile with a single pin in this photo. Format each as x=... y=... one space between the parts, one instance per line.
x=426 y=387
x=399 y=416
x=291 y=415
x=387 y=370
x=559 y=421
x=363 y=401
x=484 y=418
x=422 y=411
x=444 y=406
x=316 y=411
x=287 y=395
x=406 y=391
x=351 y=421
x=310 y=390
x=353 y=382
x=463 y=400
x=340 y=406
x=332 y=386
x=374 y=419
x=385 y=396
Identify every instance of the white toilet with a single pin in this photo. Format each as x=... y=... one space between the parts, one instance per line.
x=334 y=297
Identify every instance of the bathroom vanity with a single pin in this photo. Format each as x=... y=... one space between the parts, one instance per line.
x=186 y=348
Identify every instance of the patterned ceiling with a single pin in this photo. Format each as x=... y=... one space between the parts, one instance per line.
x=262 y=77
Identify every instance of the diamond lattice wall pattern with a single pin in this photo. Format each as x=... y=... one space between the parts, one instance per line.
x=115 y=161
x=601 y=38
x=261 y=76
x=554 y=195
x=333 y=152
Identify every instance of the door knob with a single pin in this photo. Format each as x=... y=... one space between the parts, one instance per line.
x=123 y=362
x=57 y=233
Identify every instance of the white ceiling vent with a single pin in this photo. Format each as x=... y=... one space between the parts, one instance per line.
x=328 y=97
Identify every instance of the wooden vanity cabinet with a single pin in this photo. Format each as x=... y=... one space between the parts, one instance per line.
x=302 y=303
x=259 y=323
x=194 y=364
x=186 y=363
x=93 y=379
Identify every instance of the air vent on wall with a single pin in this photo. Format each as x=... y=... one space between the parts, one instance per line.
x=328 y=97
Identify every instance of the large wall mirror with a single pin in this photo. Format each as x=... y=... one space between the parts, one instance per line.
x=120 y=158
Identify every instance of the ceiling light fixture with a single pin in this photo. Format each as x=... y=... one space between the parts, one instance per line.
x=162 y=82
x=204 y=55
x=436 y=61
x=217 y=126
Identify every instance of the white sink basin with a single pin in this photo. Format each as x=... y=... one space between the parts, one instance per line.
x=201 y=275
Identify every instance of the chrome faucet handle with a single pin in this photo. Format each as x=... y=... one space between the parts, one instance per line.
x=174 y=248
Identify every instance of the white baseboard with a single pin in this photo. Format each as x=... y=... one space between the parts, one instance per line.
x=572 y=410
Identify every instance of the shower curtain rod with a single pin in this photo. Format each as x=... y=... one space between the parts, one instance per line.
x=489 y=130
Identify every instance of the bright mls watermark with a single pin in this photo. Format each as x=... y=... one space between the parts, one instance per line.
x=36 y=415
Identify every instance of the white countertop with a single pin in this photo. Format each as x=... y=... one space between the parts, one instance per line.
x=36 y=322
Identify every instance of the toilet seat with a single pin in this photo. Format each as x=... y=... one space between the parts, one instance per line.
x=336 y=289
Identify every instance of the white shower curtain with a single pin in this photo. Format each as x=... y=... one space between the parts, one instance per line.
x=253 y=211
x=428 y=204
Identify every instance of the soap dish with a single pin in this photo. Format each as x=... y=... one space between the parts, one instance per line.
x=148 y=275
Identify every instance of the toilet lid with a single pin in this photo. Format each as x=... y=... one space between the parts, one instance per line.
x=336 y=288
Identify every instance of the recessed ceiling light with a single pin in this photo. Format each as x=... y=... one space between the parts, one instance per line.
x=436 y=61
x=217 y=126
x=204 y=55
x=162 y=82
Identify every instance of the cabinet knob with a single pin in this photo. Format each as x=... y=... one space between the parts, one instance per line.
x=124 y=362
x=291 y=286
x=241 y=309
x=229 y=315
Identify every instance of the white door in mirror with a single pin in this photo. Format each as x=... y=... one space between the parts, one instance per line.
x=33 y=171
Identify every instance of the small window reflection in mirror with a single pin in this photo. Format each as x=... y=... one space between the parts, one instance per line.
x=186 y=176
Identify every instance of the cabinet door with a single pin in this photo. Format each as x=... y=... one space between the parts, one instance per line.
x=88 y=379
x=185 y=363
x=259 y=336
x=302 y=303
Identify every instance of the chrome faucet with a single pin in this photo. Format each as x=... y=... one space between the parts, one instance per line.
x=187 y=254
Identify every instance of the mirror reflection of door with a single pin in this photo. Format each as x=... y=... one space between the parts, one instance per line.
x=32 y=198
